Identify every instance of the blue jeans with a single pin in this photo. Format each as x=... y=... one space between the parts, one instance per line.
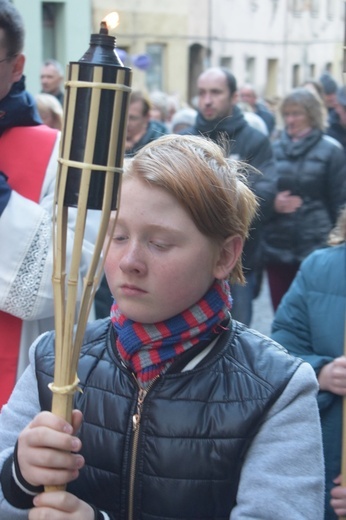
x=242 y=298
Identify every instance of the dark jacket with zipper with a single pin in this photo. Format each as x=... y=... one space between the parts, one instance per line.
x=315 y=169
x=193 y=428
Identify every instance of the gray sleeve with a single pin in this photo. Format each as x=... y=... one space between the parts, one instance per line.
x=21 y=408
x=283 y=473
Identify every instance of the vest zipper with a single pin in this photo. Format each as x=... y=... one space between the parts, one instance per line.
x=136 y=419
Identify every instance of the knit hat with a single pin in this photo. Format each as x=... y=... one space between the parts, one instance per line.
x=329 y=84
x=184 y=117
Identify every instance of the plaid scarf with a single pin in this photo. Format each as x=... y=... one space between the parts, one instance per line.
x=148 y=350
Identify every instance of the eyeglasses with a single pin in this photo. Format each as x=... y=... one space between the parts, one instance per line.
x=8 y=57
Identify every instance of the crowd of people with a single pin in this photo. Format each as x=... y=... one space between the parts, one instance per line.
x=184 y=411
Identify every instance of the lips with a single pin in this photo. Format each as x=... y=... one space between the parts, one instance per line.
x=131 y=290
x=208 y=112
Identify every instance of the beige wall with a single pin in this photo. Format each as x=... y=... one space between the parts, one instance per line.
x=152 y=22
x=237 y=30
x=269 y=33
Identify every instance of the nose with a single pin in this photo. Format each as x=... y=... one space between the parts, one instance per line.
x=207 y=99
x=289 y=121
x=133 y=259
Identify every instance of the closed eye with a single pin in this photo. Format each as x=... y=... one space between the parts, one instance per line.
x=119 y=238
x=160 y=245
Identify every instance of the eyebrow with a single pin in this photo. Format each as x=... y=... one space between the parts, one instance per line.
x=154 y=227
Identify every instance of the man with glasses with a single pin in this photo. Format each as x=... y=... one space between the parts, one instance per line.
x=28 y=166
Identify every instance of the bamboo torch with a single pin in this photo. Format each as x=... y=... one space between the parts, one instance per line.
x=89 y=176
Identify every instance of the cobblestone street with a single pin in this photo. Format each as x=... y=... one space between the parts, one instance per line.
x=262 y=310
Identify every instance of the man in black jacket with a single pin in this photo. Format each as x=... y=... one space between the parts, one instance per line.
x=248 y=95
x=337 y=118
x=219 y=118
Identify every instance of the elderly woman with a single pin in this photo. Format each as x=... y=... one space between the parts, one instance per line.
x=310 y=191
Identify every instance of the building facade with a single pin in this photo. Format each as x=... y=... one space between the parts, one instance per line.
x=58 y=29
x=273 y=44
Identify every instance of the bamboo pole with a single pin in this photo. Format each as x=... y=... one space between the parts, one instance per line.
x=69 y=332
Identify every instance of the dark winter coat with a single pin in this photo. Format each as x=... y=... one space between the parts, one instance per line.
x=315 y=169
x=310 y=323
x=335 y=129
x=266 y=115
x=155 y=129
x=195 y=426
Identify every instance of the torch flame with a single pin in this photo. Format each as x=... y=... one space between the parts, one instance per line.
x=112 y=20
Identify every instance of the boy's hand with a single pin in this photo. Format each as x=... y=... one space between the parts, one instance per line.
x=60 y=505
x=47 y=450
x=338 y=501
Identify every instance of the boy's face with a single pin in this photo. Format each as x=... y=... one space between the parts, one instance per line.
x=159 y=263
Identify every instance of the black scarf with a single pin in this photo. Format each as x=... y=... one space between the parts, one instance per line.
x=225 y=125
x=302 y=146
x=18 y=108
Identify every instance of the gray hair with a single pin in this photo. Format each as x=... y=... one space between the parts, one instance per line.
x=310 y=102
x=58 y=67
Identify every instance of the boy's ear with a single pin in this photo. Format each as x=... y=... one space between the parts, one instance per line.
x=230 y=251
x=18 y=67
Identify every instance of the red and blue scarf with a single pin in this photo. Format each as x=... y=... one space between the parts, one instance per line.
x=149 y=349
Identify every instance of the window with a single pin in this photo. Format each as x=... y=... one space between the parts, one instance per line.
x=154 y=75
x=297 y=7
x=226 y=62
x=330 y=9
x=250 y=66
x=329 y=67
x=272 y=77
x=52 y=13
x=315 y=8
x=296 y=76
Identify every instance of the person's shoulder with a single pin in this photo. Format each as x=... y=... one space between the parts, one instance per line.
x=322 y=257
x=257 y=122
x=259 y=351
x=158 y=127
x=320 y=271
x=264 y=111
x=95 y=331
x=191 y=130
x=253 y=143
x=39 y=131
x=332 y=141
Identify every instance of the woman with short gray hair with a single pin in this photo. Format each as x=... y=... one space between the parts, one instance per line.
x=310 y=191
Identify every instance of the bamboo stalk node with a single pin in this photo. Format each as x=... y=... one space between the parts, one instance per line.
x=67 y=389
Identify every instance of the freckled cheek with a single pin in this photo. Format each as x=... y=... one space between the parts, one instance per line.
x=111 y=263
